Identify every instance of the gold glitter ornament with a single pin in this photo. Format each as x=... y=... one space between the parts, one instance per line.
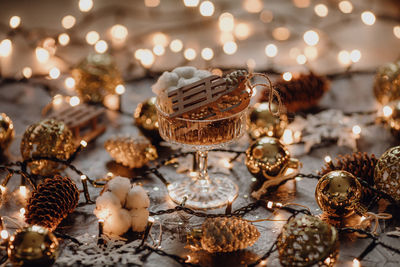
x=47 y=138
x=132 y=152
x=268 y=158
x=307 y=240
x=146 y=119
x=6 y=132
x=95 y=77
x=33 y=246
x=387 y=173
x=223 y=234
x=338 y=193
x=262 y=122
x=387 y=83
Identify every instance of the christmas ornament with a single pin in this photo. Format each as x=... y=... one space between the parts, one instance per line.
x=6 y=132
x=387 y=173
x=47 y=138
x=263 y=122
x=96 y=76
x=300 y=93
x=307 y=240
x=146 y=119
x=268 y=158
x=338 y=193
x=223 y=234
x=33 y=246
x=387 y=83
x=133 y=152
x=51 y=202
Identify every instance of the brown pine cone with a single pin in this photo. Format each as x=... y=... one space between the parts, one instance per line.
x=51 y=202
x=300 y=93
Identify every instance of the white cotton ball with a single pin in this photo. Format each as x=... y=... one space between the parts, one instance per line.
x=183 y=82
x=137 y=198
x=120 y=187
x=107 y=201
x=185 y=72
x=118 y=223
x=166 y=80
x=139 y=219
x=201 y=74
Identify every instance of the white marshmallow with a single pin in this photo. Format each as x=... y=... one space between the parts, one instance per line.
x=118 y=223
x=137 y=198
x=120 y=187
x=139 y=220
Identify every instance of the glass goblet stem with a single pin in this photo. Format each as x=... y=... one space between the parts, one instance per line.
x=201 y=168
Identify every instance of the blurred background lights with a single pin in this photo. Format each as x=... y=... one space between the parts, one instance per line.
x=151 y=3
x=346 y=6
x=207 y=53
x=158 y=50
x=15 y=21
x=311 y=37
x=120 y=89
x=63 y=39
x=226 y=22
x=74 y=101
x=119 y=32
x=396 y=31
x=226 y=37
x=191 y=3
x=311 y=52
x=101 y=46
x=301 y=59
x=368 y=18
x=85 y=5
x=266 y=16
x=92 y=37
x=176 y=45
x=68 y=21
x=287 y=76
x=253 y=6
x=27 y=72
x=42 y=54
x=207 y=8
x=344 y=57
x=54 y=73
x=242 y=31
x=355 y=55
x=230 y=48
x=160 y=38
x=301 y=3
x=281 y=33
x=5 y=48
x=69 y=83
x=146 y=58
x=271 y=50
x=190 y=54
x=321 y=10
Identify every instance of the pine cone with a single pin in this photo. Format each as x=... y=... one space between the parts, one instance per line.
x=133 y=152
x=223 y=235
x=300 y=93
x=51 y=202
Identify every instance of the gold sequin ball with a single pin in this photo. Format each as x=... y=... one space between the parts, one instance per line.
x=387 y=173
x=6 y=132
x=387 y=83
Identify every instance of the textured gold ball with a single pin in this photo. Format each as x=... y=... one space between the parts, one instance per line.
x=32 y=246
x=47 y=138
x=308 y=240
x=6 y=132
x=96 y=77
x=338 y=193
x=146 y=119
x=262 y=122
x=387 y=83
x=387 y=173
x=267 y=157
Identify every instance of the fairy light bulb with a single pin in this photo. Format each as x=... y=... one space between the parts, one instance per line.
x=344 y=57
x=57 y=100
x=27 y=72
x=74 y=101
x=191 y=3
x=346 y=7
x=356 y=129
x=226 y=22
x=85 y=5
x=271 y=50
x=311 y=37
x=230 y=48
x=160 y=38
x=63 y=39
x=158 y=50
x=68 y=21
x=242 y=31
x=120 y=89
x=2 y=188
x=5 y=48
x=311 y=52
x=356 y=263
x=92 y=37
x=176 y=45
x=287 y=76
x=368 y=18
x=152 y=3
x=23 y=191
x=70 y=83
x=147 y=58
x=4 y=234
x=54 y=73
x=138 y=54
x=190 y=54
x=101 y=46
x=396 y=31
x=301 y=3
x=253 y=6
x=42 y=54
x=119 y=32
x=207 y=9
x=15 y=21
x=287 y=136
x=281 y=33
x=207 y=53
x=355 y=55
x=321 y=10
x=327 y=159
x=301 y=59
x=387 y=111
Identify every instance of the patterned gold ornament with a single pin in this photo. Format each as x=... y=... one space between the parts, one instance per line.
x=223 y=235
x=262 y=122
x=33 y=246
x=268 y=158
x=133 y=152
x=146 y=119
x=387 y=83
x=96 y=76
x=6 y=132
x=338 y=193
x=47 y=138
x=387 y=173
x=307 y=240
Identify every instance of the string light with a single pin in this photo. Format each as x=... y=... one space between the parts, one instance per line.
x=311 y=52
x=266 y=16
x=191 y=3
x=54 y=73
x=226 y=22
x=321 y=10
x=84 y=144
x=85 y=5
x=301 y=59
x=294 y=52
x=69 y=83
x=356 y=263
x=230 y=48
x=160 y=38
x=242 y=31
x=15 y=21
x=42 y=54
x=151 y=3
x=355 y=55
x=63 y=39
x=287 y=136
x=92 y=37
x=368 y=18
x=396 y=31
x=251 y=64
x=2 y=188
x=226 y=37
x=5 y=48
x=146 y=58
x=387 y=111
x=311 y=37
x=27 y=72
x=158 y=50
x=301 y=3
x=57 y=100
x=281 y=33
x=190 y=54
x=344 y=57
x=271 y=50
x=74 y=101
x=346 y=7
x=138 y=54
x=23 y=191
x=356 y=129
x=119 y=33
x=120 y=89
x=207 y=8
x=4 y=234
x=101 y=46
x=287 y=76
x=253 y=6
x=68 y=21
x=207 y=53
x=176 y=45
x=327 y=159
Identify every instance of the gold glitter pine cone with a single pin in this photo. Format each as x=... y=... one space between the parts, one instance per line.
x=51 y=202
x=223 y=234
x=387 y=83
x=387 y=173
x=300 y=93
x=6 y=132
x=132 y=152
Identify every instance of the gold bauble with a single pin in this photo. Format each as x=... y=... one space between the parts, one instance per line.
x=262 y=121
x=146 y=119
x=47 y=138
x=33 y=246
x=338 y=193
x=308 y=240
x=387 y=83
x=6 y=132
x=387 y=173
x=268 y=158
x=96 y=77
